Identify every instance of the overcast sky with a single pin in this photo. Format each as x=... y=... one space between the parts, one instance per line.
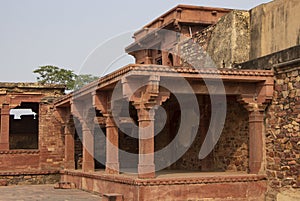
x=65 y=32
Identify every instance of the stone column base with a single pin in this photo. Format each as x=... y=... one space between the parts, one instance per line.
x=146 y=171
x=112 y=168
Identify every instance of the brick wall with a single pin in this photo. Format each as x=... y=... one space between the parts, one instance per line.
x=51 y=139
x=49 y=155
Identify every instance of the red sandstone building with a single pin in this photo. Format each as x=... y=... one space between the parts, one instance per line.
x=210 y=110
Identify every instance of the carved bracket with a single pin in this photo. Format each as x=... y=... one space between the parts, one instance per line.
x=145 y=96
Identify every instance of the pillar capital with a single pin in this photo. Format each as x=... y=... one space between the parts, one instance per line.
x=5 y=109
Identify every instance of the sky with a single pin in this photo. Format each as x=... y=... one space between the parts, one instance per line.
x=86 y=36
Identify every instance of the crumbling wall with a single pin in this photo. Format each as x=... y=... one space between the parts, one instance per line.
x=274 y=26
x=49 y=153
x=220 y=45
x=283 y=132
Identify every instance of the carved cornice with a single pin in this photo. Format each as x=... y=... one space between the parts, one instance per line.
x=148 y=69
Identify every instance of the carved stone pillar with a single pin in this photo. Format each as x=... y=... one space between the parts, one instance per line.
x=69 y=145
x=88 y=164
x=256 y=134
x=145 y=99
x=256 y=131
x=4 y=137
x=146 y=166
x=112 y=146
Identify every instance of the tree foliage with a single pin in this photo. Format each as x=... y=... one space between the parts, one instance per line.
x=54 y=75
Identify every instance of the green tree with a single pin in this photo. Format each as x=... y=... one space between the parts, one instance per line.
x=84 y=79
x=54 y=75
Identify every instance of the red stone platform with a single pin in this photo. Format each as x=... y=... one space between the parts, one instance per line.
x=173 y=185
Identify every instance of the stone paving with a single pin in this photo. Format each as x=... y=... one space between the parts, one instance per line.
x=44 y=193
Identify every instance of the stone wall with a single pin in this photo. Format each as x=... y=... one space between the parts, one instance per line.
x=220 y=45
x=274 y=26
x=51 y=139
x=28 y=178
x=230 y=40
x=267 y=62
x=49 y=153
x=283 y=132
x=231 y=151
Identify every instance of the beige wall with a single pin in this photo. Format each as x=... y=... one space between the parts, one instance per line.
x=230 y=40
x=274 y=26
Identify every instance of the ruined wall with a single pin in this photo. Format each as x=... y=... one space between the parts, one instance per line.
x=225 y=43
x=230 y=40
x=50 y=152
x=283 y=132
x=48 y=155
x=274 y=26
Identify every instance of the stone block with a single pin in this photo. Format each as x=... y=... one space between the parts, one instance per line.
x=112 y=197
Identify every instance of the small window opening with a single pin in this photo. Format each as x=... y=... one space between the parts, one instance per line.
x=23 y=126
x=170 y=60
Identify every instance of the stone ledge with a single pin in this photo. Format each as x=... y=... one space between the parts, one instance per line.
x=16 y=173
x=168 y=181
x=268 y=61
x=20 y=152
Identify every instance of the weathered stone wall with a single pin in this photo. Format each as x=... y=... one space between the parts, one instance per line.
x=274 y=26
x=21 y=178
x=231 y=151
x=49 y=153
x=268 y=61
x=225 y=43
x=51 y=139
x=230 y=40
x=283 y=132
